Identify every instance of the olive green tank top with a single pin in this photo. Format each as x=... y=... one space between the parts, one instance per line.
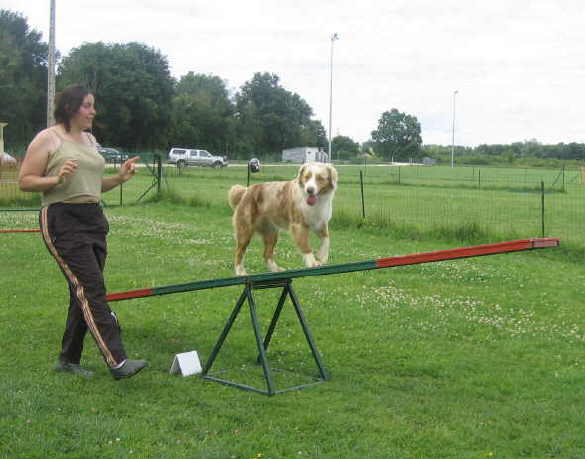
x=85 y=185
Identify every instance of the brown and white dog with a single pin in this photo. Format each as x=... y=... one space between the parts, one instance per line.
x=298 y=205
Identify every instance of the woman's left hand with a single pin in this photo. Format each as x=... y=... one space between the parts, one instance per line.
x=128 y=169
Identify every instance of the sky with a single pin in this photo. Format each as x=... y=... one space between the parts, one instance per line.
x=471 y=71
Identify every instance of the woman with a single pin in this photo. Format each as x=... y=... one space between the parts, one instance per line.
x=62 y=162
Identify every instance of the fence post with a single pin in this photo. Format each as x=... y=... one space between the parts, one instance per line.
x=248 y=181
x=479 y=179
x=398 y=175
x=158 y=172
x=363 y=201
x=542 y=207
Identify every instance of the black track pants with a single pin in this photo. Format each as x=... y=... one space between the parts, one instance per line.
x=75 y=235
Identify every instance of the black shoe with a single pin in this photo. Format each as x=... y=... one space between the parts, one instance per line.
x=75 y=368
x=128 y=369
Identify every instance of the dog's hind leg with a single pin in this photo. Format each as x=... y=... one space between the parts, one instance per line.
x=270 y=240
x=242 y=241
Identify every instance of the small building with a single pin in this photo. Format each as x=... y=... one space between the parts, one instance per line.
x=304 y=155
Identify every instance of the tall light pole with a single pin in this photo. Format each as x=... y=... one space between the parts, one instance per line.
x=333 y=38
x=453 y=131
x=51 y=69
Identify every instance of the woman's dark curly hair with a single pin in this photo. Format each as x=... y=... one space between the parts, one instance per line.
x=67 y=103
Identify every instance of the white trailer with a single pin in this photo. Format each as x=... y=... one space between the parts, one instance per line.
x=304 y=155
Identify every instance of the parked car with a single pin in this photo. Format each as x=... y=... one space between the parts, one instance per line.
x=182 y=157
x=254 y=165
x=112 y=155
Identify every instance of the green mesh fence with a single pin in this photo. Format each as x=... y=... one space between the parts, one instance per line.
x=463 y=202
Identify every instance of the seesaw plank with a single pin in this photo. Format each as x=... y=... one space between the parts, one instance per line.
x=389 y=262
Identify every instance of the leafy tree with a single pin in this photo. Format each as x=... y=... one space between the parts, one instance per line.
x=23 y=79
x=574 y=151
x=343 y=147
x=398 y=136
x=270 y=118
x=435 y=151
x=133 y=90
x=369 y=146
x=202 y=114
x=313 y=134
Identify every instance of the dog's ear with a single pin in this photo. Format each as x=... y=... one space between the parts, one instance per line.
x=301 y=173
x=332 y=175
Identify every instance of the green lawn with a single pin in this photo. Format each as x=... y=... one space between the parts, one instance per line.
x=473 y=358
x=416 y=201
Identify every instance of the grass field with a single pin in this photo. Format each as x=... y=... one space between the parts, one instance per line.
x=485 y=203
x=473 y=358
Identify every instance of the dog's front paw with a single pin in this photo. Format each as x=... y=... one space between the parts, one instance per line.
x=322 y=258
x=310 y=260
x=314 y=263
x=273 y=267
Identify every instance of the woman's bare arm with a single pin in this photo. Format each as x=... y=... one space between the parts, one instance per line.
x=32 y=170
x=126 y=172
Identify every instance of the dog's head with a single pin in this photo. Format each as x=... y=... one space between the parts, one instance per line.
x=317 y=179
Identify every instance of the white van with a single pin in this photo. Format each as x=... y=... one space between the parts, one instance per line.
x=182 y=157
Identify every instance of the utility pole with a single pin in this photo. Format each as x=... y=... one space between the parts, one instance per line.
x=51 y=70
x=333 y=38
x=453 y=132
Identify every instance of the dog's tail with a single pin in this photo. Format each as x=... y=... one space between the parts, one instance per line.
x=235 y=195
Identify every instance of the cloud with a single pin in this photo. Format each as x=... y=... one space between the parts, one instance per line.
x=517 y=64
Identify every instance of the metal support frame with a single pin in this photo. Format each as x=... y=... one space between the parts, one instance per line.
x=263 y=343
x=156 y=177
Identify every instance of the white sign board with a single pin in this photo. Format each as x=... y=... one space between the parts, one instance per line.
x=186 y=364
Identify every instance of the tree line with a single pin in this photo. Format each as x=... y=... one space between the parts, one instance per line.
x=515 y=152
x=141 y=107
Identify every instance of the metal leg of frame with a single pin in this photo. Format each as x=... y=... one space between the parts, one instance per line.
x=258 y=335
x=275 y=318
x=262 y=345
x=307 y=331
x=225 y=332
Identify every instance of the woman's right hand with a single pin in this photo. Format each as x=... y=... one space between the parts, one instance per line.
x=67 y=170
